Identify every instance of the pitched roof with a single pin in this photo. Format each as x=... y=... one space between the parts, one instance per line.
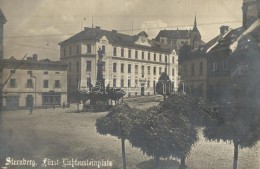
x=174 y=34
x=114 y=37
x=224 y=42
x=2 y=17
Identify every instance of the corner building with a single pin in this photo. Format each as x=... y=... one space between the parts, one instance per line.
x=133 y=63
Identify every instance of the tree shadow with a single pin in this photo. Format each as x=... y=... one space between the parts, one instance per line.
x=164 y=164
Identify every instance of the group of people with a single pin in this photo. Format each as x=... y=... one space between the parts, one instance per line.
x=46 y=106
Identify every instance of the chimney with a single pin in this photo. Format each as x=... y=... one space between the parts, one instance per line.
x=35 y=57
x=114 y=31
x=223 y=29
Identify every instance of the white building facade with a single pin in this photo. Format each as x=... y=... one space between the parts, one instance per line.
x=34 y=83
x=133 y=63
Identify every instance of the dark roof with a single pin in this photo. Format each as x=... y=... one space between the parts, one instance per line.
x=173 y=34
x=47 y=62
x=2 y=17
x=223 y=42
x=114 y=37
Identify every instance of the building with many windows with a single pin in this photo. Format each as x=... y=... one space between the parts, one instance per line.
x=131 y=62
x=33 y=82
x=178 y=38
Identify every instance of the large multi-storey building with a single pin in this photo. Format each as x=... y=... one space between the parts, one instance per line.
x=178 y=38
x=33 y=82
x=131 y=62
x=251 y=11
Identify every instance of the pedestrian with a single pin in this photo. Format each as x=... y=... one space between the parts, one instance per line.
x=53 y=106
x=31 y=110
x=63 y=105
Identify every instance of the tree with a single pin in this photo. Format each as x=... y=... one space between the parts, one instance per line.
x=159 y=134
x=116 y=123
x=186 y=106
x=234 y=122
x=164 y=85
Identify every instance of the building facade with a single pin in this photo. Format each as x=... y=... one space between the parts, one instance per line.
x=251 y=11
x=133 y=63
x=33 y=82
x=178 y=37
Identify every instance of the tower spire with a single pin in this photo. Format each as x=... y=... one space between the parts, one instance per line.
x=195 y=21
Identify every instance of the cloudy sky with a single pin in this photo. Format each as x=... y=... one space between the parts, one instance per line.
x=37 y=26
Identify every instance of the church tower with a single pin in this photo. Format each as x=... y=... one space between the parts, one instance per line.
x=195 y=37
x=251 y=12
x=2 y=22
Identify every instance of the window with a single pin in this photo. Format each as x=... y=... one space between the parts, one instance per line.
x=136 y=54
x=45 y=72
x=143 y=55
x=29 y=72
x=173 y=72
x=29 y=83
x=154 y=70
x=114 y=52
x=57 y=84
x=122 y=83
x=103 y=49
x=192 y=70
x=57 y=73
x=114 y=82
x=149 y=57
x=136 y=69
x=77 y=68
x=12 y=71
x=160 y=70
x=142 y=71
x=173 y=59
x=78 y=49
x=129 y=68
x=12 y=83
x=129 y=53
x=122 y=52
x=114 y=67
x=148 y=70
x=214 y=66
x=196 y=45
x=45 y=83
x=225 y=65
x=64 y=51
x=160 y=58
x=89 y=48
x=154 y=57
x=122 y=68
x=201 y=69
x=88 y=66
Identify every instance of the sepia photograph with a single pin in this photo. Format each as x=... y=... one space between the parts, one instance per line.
x=130 y=84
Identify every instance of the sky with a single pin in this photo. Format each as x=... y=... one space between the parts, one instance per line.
x=37 y=26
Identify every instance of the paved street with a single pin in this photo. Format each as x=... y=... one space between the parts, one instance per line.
x=58 y=133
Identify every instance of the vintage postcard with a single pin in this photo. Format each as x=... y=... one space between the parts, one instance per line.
x=129 y=84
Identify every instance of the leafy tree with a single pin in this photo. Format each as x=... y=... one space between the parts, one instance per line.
x=234 y=122
x=159 y=134
x=186 y=106
x=164 y=85
x=115 y=94
x=116 y=123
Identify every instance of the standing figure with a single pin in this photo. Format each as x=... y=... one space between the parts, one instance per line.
x=30 y=109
